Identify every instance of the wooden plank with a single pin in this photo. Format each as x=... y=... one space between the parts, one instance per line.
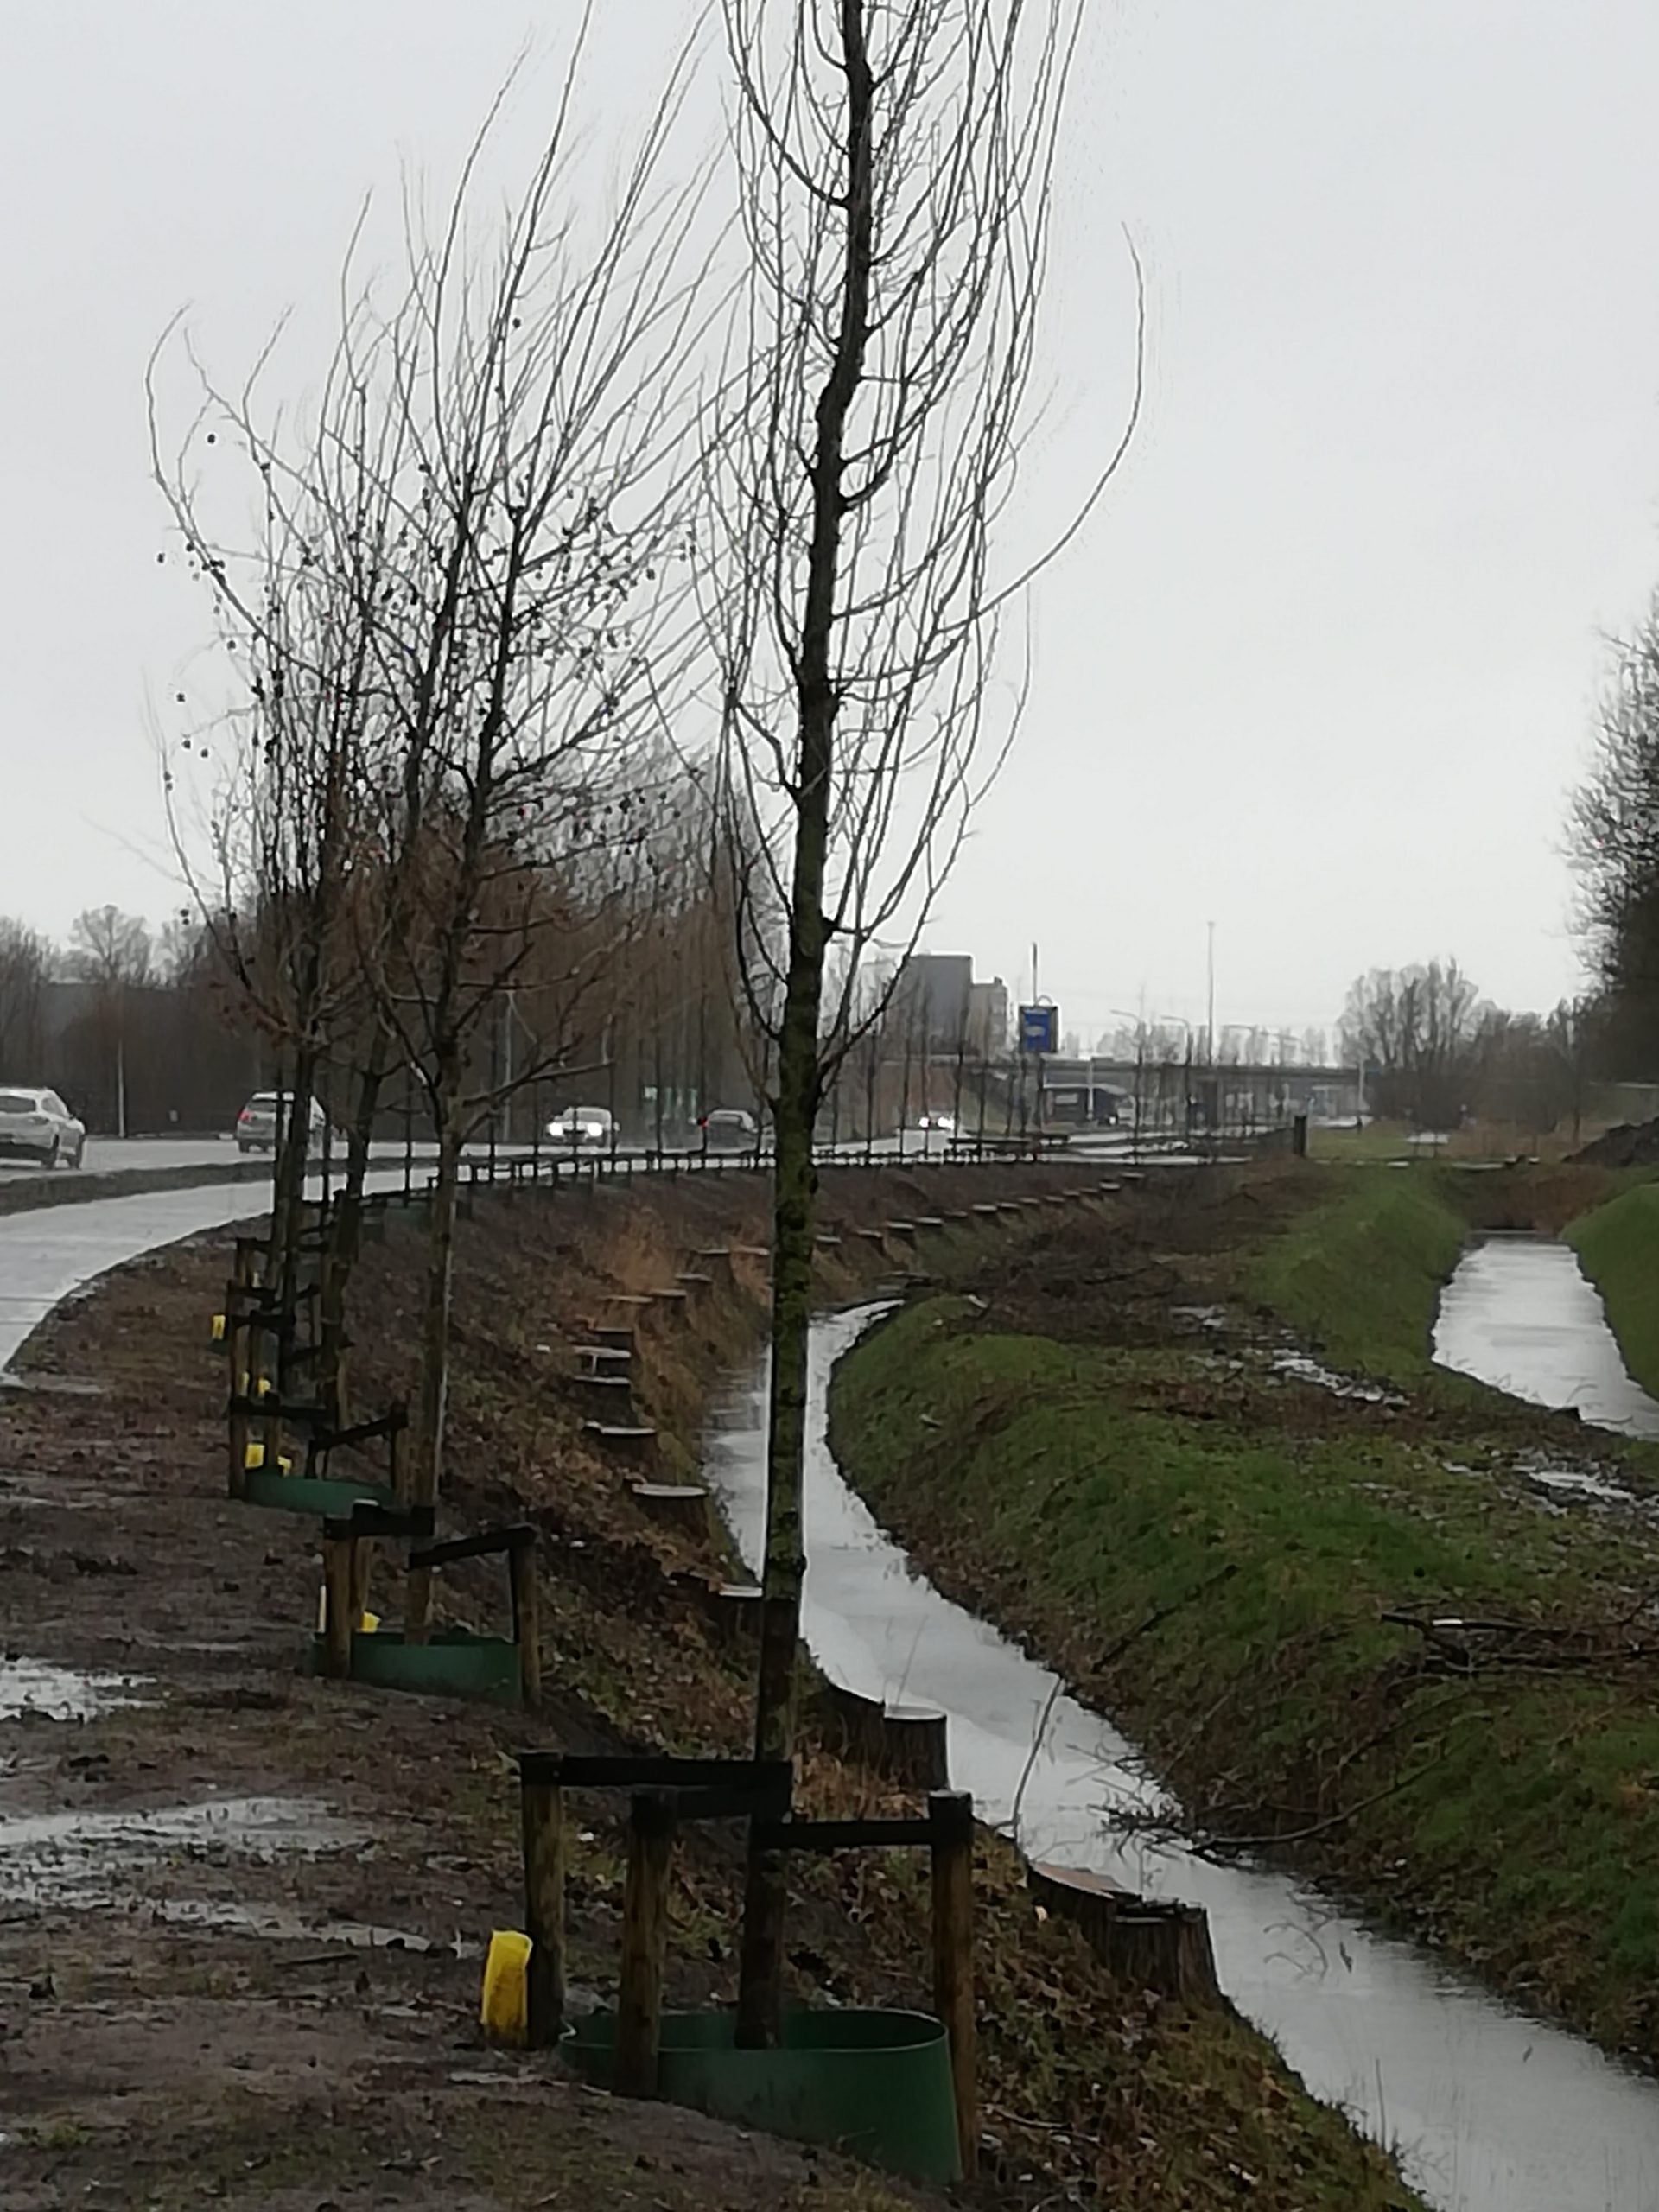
x=487 y=1544
x=651 y=1771
x=841 y=1835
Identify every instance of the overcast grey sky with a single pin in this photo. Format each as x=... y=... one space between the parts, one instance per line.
x=1322 y=669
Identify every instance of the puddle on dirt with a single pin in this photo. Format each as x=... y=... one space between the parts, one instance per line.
x=1519 y=1314
x=83 y=1860
x=270 y=1923
x=1298 y=1367
x=37 y=1686
x=1492 y=2112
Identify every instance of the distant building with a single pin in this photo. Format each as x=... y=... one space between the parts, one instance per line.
x=931 y=996
x=988 y=1017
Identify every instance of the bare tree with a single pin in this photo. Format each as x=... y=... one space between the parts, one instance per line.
x=112 y=953
x=25 y=970
x=1417 y=1035
x=894 y=167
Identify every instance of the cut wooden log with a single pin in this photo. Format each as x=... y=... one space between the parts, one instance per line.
x=1154 y=1943
x=604 y=1359
x=906 y=1742
x=633 y=1441
x=606 y=1397
x=683 y=1506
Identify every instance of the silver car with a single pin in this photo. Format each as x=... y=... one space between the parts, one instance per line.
x=37 y=1125
x=255 y=1125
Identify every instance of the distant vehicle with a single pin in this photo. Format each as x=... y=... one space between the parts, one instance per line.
x=257 y=1125
x=945 y=1122
x=730 y=1127
x=37 y=1125
x=580 y=1125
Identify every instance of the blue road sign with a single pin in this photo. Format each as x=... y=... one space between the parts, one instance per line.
x=1039 y=1029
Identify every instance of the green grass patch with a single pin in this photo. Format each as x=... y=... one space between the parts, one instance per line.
x=1359 y=1274
x=1618 y=1245
x=1515 y=1814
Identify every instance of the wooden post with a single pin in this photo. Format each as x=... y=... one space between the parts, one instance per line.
x=400 y=1413
x=237 y=1345
x=526 y=1620
x=645 y=1940
x=541 y=1805
x=950 y=1817
x=362 y=1571
x=338 y=1580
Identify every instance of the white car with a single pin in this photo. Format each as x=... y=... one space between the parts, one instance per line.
x=255 y=1125
x=37 y=1125
x=582 y=1125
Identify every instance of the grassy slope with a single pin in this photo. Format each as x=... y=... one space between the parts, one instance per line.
x=1618 y=1245
x=1075 y=1492
x=1359 y=1276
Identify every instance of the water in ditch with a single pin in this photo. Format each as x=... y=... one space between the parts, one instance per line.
x=1520 y=1314
x=1489 y=2111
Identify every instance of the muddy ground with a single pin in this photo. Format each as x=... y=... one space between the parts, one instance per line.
x=242 y=1912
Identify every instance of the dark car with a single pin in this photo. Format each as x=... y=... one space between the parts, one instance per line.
x=730 y=1129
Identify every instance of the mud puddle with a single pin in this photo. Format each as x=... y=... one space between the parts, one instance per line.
x=84 y=1861
x=35 y=1686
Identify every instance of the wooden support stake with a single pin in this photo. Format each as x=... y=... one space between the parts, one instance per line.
x=339 y=1578
x=526 y=1622
x=644 y=1940
x=238 y=1336
x=362 y=1573
x=951 y=1818
x=541 y=1816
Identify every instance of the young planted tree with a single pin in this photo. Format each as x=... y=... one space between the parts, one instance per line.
x=530 y=406
x=894 y=166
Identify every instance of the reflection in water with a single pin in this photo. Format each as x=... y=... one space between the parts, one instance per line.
x=1520 y=1315
x=1491 y=2112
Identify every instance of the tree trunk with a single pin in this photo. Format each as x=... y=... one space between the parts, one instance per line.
x=288 y=1204
x=345 y=1243
x=760 y=2003
x=434 y=1357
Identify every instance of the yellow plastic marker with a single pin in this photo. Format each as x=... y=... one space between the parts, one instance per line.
x=504 y=2008
x=218 y=1329
x=254 y=1456
x=366 y=1626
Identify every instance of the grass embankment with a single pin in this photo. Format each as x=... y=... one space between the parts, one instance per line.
x=1074 y=1489
x=1618 y=1245
x=1096 y=2093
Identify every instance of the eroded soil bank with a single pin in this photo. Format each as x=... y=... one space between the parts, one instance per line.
x=242 y=1912
x=1372 y=1617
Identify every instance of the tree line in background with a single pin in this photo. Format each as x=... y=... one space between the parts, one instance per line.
x=1432 y=1051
